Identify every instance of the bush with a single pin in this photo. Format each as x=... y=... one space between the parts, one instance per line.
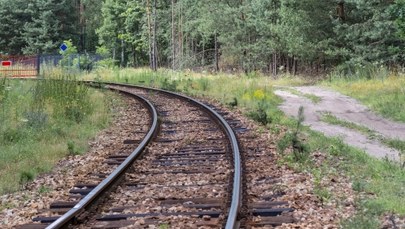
x=259 y=115
x=26 y=176
x=72 y=149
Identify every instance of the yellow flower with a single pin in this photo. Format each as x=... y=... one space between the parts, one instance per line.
x=246 y=97
x=259 y=94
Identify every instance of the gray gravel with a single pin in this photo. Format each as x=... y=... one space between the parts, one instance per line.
x=345 y=108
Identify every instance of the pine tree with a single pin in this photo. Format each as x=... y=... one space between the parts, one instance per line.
x=13 y=17
x=50 y=24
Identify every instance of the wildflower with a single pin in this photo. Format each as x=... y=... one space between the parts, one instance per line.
x=259 y=94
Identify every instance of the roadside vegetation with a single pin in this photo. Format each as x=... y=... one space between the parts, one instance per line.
x=43 y=121
x=378 y=183
x=381 y=91
x=393 y=143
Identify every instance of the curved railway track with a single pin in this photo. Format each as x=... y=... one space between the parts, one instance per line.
x=185 y=177
x=181 y=168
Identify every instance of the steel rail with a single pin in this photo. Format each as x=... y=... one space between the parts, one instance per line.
x=94 y=195
x=232 y=219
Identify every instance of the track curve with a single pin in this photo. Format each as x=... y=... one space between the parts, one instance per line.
x=91 y=197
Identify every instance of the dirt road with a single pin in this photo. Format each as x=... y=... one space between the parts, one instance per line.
x=344 y=108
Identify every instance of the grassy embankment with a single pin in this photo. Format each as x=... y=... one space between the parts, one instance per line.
x=378 y=183
x=42 y=122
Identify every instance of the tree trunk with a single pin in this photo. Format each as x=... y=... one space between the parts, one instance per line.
x=341 y=10
x=149 y=33
x=295 y=66
x=274 y=70
x=203 y=56
x=122 y=53
x=173 y=38
x=216 y=53
x=134 y=56
x=154 y=45
x=181 y=42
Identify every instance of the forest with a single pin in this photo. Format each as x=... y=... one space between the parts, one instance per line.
x=270 y=36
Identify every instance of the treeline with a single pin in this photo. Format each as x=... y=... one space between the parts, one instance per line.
x=250 y=35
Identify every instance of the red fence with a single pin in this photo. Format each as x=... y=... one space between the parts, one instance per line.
x=19 y=66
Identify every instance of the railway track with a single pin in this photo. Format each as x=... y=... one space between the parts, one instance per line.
x=189 y=176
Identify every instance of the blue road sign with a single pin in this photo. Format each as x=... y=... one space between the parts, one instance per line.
x=63 y=47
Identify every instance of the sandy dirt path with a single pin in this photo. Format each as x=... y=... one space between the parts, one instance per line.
x=344 y=108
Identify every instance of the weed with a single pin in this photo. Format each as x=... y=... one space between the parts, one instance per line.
x=164 y=226
x=26 y=176
x=44 y=189
x=203 y=84
x=299 y=148
x=315 y=99
x=360 y=221
x=322 y=193
x=259 y=115
x=284 y=142
x=3 y=88
x=233 y=103
x=34 y=128
x=7 y=206
x=359 y=185
x=170 y=85
x=12 y=135
x=331 y=119
x=393 y=143
x=72 y=149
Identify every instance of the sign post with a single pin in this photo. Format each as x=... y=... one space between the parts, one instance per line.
x=63 y=47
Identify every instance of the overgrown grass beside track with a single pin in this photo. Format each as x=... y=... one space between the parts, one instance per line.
x=43 y=121
x=378 y=183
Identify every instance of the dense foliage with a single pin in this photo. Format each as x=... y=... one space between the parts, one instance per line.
x=265 y=35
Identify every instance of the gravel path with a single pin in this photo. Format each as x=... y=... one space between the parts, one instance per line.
x=344 y=108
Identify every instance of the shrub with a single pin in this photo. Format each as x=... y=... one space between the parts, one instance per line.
x=26 y=176
x=72 y=149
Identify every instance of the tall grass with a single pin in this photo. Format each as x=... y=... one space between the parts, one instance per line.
x=383 y=91
x=255 y=94
x=38 y=120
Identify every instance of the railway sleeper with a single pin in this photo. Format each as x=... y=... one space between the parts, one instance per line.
x=199 y=214
x=33 y=226
x=145 y=222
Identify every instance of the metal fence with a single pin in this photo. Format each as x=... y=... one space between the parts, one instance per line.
x=31 y=66
x=19 y=66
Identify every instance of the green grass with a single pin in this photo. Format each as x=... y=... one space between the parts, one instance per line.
x=384 y=95
x=393 y=143
x=381 y=183
x=40 y=122
x=331 y=119
x=315 y=99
